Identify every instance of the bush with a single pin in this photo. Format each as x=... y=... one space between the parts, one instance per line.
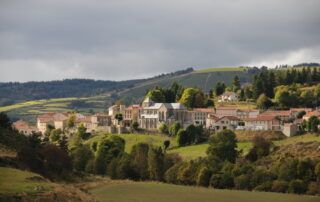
x=182 y=138
x=170 y=175
x=80 y=157
x=223 y=145
x=173 y=130
x=139 y=161
x=204 y=177
x=261 y=147
x=313 y=188
x=163 y=128
x=297 y=186
x=266 y=186
x=260 y=176
x=226 y=181
x=280 y=186
x=317 y=172
x=124 y=169
x=166 y=144
x=242 y=182
x=221 y=181
x=215 y=181
x=90 y=166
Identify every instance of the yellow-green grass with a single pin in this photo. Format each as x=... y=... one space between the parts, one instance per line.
x=132 y=139
x=160 y=192
x=220 y=69
x=35 y=103
x=191 y=152
x=17 y=181
x=295 y=139
x=195 y=151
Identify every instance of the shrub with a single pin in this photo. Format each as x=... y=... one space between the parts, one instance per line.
x=297 y=186
x=163 y=128
x=175 y=127
x=242 y=182
x=124 y=169
x=260 y=176
x=317 y=172
x=139 y=161
x=182 y=138
x=90 y=166
x=215 y=181
x=313 y=188
x=279 y=186
x=266 y=186
x=171 y=174
x=204 y=177
x=226 y=181
x=80 y=157
x=155 y=163
x=223 y=145
x=166 y=144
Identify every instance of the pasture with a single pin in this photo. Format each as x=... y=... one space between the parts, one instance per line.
x=160 y=192
x=17 y=181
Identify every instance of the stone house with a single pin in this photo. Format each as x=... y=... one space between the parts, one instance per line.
x=131 y=114
x=290 y=129
x=229 y=97
x=221 y=123
x=57 y=120
x=198 y=116
x=262 y=123
x=24 y=127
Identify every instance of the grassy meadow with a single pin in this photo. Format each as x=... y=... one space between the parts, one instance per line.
x=18 y=181
x=159 y=192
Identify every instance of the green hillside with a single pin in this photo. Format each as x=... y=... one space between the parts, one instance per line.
x=17 y=181
x=203 y=78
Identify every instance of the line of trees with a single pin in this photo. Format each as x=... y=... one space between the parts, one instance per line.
x=190 y=97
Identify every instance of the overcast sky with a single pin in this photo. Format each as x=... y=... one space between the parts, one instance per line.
x=126 y=39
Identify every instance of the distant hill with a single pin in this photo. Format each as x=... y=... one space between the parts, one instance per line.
x=129 y=91
x=202 y=78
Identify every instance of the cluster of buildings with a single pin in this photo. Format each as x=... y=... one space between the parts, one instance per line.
x=150 y=116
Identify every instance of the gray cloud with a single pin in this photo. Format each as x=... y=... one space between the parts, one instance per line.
x=124 y=39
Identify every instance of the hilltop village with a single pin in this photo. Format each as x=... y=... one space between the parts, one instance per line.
x=149 y=117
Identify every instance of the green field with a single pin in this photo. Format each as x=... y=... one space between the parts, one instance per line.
x=220 y=69
x=18 y=181
x=159 y=192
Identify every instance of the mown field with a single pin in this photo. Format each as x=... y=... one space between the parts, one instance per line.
x=17 y=181
x=159 y=192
